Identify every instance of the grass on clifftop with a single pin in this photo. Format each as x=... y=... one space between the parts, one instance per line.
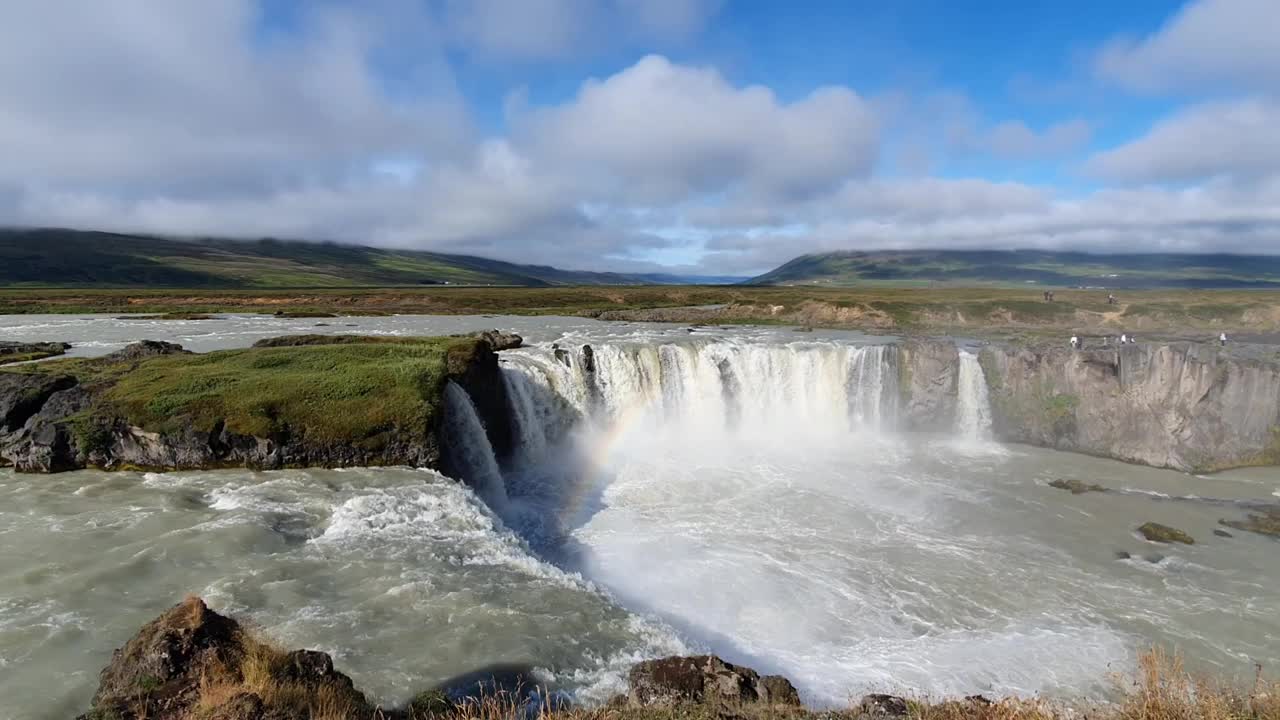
x=330 y=392
x=340 y=390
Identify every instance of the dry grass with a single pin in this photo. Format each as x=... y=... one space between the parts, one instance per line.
x=258 y=671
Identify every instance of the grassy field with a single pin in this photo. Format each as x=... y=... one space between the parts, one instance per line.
x=349 y=389
x=900 y=309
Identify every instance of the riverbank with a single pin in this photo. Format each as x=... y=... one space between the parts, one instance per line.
x=193 y=663
x=974 y=311
x=298 y=401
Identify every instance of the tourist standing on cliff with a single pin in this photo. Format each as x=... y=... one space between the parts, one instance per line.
x=1223 y=339
x=1075 y=343
x=1124 y=339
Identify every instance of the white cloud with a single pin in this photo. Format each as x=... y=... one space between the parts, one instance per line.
x=659 y=132
x=181 y=117
x=1235 y=140
x=1209 y=45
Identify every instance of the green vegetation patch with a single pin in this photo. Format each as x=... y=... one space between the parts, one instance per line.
x=349 y=392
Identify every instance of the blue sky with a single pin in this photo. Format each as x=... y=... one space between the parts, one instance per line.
x=687 y=135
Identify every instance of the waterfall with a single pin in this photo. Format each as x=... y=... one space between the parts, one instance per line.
x=827 y=386
x=870 y=375
x=973 y=411
x=469 y=449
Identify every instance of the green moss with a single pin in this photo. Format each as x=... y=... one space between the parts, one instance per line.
x=90 y=434
x=1077 y=487
x=29 y=356
x=1155 y=532
x=1060 y=407
x=348 y=392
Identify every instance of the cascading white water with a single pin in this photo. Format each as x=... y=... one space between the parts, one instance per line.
x=827 y=386
x=469 y=448
x=973 y=409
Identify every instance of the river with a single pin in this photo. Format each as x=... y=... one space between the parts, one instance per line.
x=741 y=491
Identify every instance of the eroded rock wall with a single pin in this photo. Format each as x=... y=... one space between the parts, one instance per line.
x=1184 y=406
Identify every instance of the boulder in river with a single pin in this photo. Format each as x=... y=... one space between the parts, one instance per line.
x=706 y=678
x=1155 y=532
x=1266 y=522
x=1077 y=487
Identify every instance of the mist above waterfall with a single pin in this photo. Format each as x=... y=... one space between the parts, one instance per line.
x=761 y=498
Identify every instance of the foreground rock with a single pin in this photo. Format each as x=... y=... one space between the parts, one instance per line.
x=705 y=678
x=192 y=662
x=1155 y=532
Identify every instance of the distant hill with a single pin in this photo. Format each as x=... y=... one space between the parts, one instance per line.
x=1062 y=269
x=75 y=258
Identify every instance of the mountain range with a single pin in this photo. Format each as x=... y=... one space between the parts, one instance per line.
x=50 y=257
x=1023 y=267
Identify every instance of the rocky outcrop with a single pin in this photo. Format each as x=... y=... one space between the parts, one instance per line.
x=928 y=371
x=11 y=352
x=705 y=678
x=52 y=422
x=192 y=662
x=1183 y=406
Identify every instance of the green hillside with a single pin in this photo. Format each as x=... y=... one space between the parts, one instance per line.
x=74 y=258
x=1023 y=267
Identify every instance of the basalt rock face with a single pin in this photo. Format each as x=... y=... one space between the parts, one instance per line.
x=928 y=372
x=50 y=423
x=1183 y=406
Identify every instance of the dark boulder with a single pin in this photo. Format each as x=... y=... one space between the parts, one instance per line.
x=705 y=678
x=1222 y=533
x=499 y=340
x=144 y=349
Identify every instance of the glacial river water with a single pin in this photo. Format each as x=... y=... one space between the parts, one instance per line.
x=739 y=491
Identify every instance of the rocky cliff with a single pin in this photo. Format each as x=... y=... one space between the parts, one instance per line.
x=302 y=402
x=1184 y=406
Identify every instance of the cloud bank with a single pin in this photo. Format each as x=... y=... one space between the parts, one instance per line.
x=354 y=123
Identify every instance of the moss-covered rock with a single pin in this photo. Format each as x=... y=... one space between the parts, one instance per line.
x=1155 y=532
x=301 y=402
x=1266 y=522
x=1077 y=487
